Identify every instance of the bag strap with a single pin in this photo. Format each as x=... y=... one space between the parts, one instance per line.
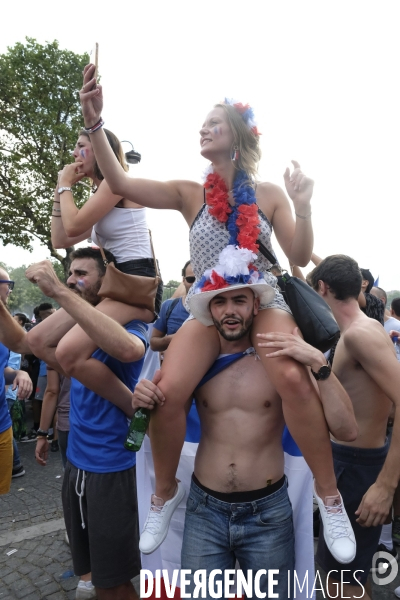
x=105 y=261
x=171 y=308
x=154 y=256
x=264 y=250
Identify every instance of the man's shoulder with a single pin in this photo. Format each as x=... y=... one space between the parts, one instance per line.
x=363 y=335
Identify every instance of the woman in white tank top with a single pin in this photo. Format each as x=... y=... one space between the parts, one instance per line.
x=120 y=226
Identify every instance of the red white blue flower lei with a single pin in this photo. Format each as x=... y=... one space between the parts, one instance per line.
x=243 y=223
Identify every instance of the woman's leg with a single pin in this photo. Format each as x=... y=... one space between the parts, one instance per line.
x=301 y=405
x=74 y=353
x=193 y=350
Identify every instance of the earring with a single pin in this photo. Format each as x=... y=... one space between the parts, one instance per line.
x=235 y=153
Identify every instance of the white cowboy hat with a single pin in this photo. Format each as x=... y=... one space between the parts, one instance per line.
x=199 y=303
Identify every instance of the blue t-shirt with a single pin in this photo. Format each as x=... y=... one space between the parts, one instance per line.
x=15 y=363
x=5 y=419
x=176 y=319
x=42 y=369
x=98 y=428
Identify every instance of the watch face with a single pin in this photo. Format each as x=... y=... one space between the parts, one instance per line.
x=324 y=372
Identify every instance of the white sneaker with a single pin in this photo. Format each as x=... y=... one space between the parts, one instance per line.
x=85 y=590
x=397 y=592
x=338 y=532
x=158 y=519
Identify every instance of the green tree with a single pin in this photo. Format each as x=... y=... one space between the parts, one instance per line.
x=40 y=118
x=390 y=295
x=169 y=289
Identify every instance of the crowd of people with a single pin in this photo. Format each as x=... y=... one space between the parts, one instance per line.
x=235 y=369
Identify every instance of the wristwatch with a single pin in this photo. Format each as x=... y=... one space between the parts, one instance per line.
x=63 y=189
x=323 y=373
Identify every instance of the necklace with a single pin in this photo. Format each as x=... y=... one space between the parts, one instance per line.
x=242 y=220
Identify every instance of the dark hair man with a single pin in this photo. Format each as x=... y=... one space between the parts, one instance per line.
x=365 y=363
x=238 y=486
x=99 y=487
x=172 y=315
x=395 y=308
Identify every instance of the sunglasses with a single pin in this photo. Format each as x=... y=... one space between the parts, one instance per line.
x=190 y=279
x=10 y=283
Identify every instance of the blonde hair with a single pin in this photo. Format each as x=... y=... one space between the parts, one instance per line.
x=247 y=142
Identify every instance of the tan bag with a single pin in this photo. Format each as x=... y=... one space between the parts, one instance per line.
x=135 y=290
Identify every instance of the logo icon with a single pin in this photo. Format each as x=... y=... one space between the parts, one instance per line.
x=384 y=568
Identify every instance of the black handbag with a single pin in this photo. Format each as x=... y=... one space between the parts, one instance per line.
x=311 y=313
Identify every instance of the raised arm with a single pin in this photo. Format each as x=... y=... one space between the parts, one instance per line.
x=153 y=194
x=336 y=403
x=12 y=335
x=295 y=237
x=106 y=333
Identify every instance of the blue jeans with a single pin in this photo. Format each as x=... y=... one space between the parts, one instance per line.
x=259 y=535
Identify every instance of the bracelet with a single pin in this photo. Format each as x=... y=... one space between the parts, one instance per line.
x=94 y=128
x=56 y=201
x=59 y=216
x=56 y=209
x=302 y=217
x=42 y=433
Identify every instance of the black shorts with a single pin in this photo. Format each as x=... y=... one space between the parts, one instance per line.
x=108 y=545
x=356 y=469
x=146 y=268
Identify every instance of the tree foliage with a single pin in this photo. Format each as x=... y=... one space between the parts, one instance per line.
x=169 y=289
x=40 y=118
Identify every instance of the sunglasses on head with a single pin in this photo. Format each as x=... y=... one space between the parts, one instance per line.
x=190 y=279
x=10 y=283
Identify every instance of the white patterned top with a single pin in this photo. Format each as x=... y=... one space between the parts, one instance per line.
x=208 y=237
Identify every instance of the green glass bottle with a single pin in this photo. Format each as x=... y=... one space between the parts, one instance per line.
x=137 y=430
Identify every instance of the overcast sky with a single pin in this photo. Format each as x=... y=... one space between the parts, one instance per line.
x=321 y=76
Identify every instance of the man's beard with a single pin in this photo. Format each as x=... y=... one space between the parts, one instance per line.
x=232 y=336
x=90 y=294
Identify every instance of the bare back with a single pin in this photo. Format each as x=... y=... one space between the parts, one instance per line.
x=360 y=350
x=241 y=429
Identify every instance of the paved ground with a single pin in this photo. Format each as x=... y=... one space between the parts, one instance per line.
x=31 y=523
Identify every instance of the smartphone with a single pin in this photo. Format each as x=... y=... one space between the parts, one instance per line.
x=94 y=58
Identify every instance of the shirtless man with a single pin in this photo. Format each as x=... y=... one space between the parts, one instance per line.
x=238 y=507
x=365 y=364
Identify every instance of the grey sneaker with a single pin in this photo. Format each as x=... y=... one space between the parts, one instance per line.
x=85 y=591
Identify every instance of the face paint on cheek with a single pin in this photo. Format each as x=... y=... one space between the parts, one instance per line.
x=216 y=131
x=82 y=153
x=81 y=283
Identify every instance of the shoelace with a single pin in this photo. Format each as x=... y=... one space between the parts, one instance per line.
x=337 y=521
x=153 y=519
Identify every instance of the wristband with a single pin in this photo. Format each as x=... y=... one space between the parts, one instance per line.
x=41 y=433
x=303 y=217
x=95 y=127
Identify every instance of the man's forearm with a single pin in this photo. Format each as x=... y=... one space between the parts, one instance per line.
x=49 y=406
x=160 y=344
x=338 y=409
x=12 y=335
x=9 y=375
x=106 y=333
x=390 y=473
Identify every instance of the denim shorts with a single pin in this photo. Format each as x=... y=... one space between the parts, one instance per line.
x=146 y=268
x=258 y=534
x=356 y=469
